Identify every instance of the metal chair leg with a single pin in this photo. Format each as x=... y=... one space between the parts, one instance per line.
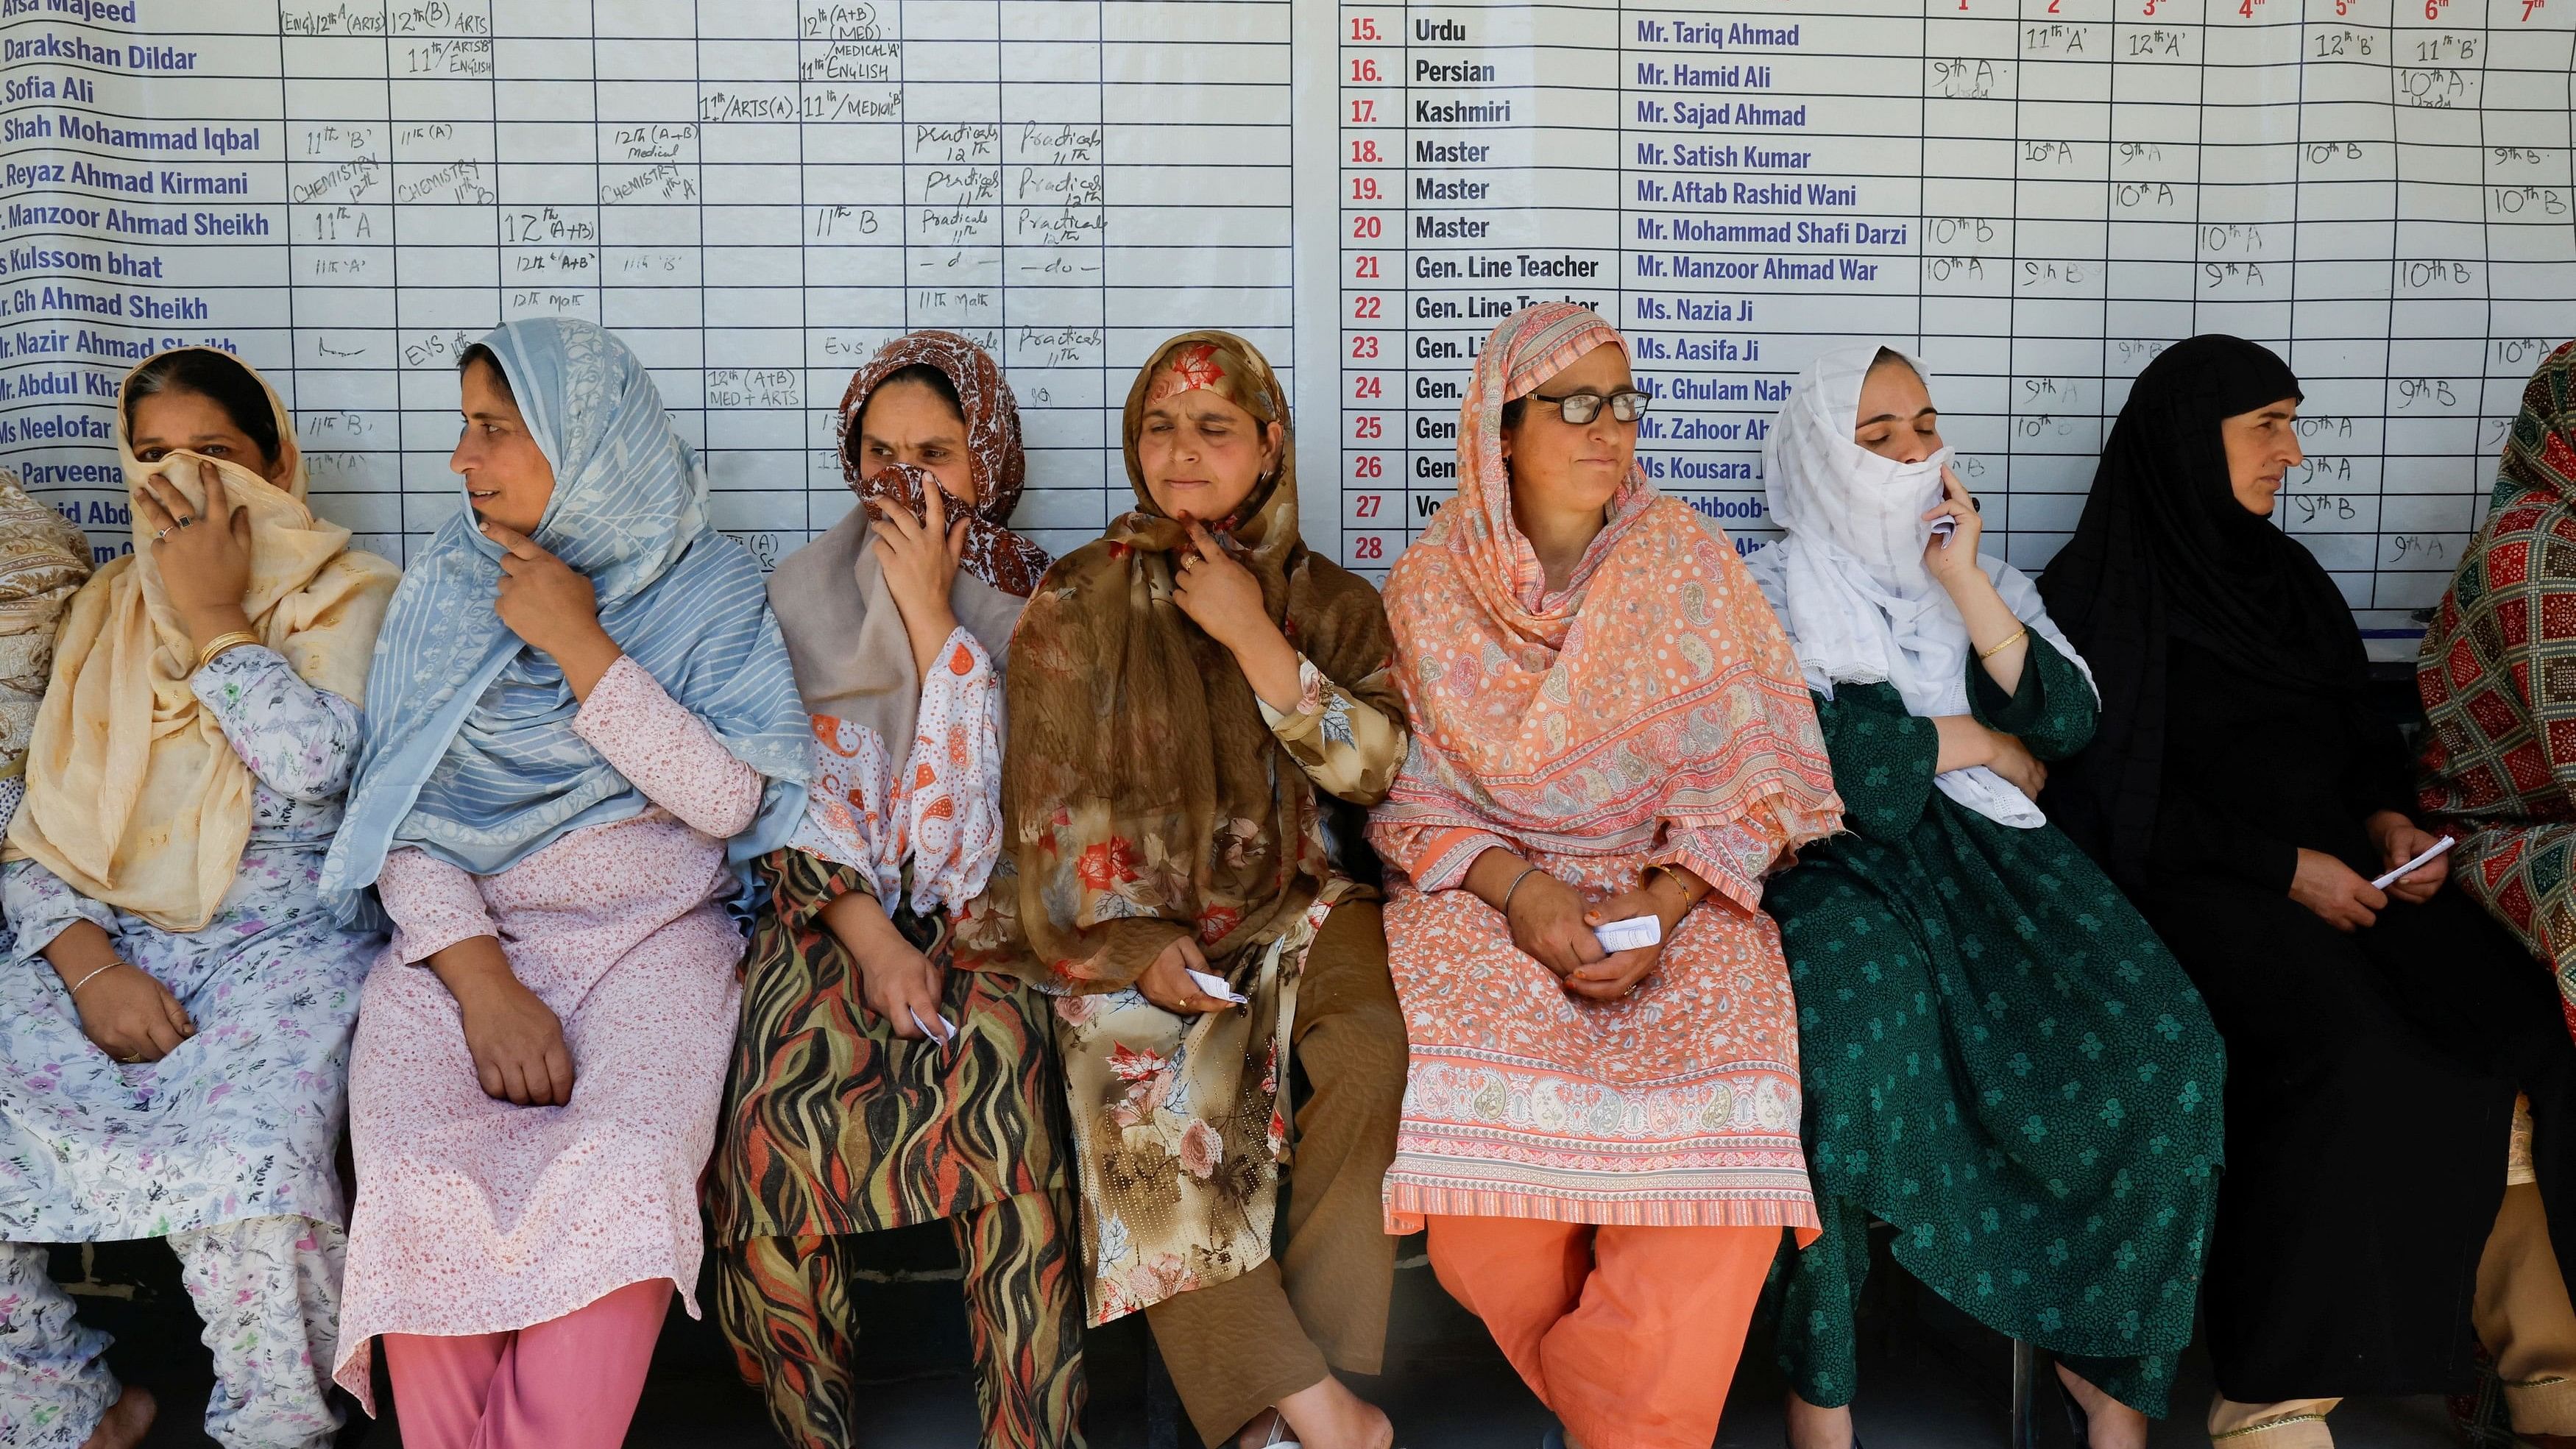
x=2025 y=1393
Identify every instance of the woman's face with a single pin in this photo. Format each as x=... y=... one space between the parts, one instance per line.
x=506 y=474
x=1897 y=419
x=1573 y=467
x=909 y=422
x=2262 y=448
x=1201 y=455
x=170 y=420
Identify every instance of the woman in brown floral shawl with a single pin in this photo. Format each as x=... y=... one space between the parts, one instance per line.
x=1179 y=692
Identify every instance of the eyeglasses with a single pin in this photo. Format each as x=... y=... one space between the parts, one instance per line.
x=1583 y=407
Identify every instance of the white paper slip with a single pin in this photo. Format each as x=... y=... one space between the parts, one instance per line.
x=943 y=1034
x=2412 y=866
x=1629 y=934
x=1215 y=986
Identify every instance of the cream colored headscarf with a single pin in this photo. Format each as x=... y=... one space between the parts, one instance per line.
x=134 y=797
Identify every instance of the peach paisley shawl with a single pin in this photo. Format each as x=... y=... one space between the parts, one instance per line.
x=1623 y=706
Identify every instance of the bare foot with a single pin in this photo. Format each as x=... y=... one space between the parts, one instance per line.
x=125 y=1422
x=1813 y=1427
x=1327 y=1415
x=2110 y=1424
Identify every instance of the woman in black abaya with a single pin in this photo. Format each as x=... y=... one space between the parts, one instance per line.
x=2244 y=793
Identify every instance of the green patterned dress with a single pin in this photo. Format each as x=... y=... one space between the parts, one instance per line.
x=1999 y=1059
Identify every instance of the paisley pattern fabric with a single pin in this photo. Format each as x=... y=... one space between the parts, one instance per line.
x=1651 y=713
x=2498 y=676
x=1639 y=695
x=2002 y=1060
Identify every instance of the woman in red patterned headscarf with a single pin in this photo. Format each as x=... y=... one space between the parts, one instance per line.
x=873 y=1086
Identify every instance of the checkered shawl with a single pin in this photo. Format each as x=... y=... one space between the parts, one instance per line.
x=2498 y=674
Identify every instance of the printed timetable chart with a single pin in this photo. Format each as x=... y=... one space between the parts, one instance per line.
x=754 y=193
x=2036 y=195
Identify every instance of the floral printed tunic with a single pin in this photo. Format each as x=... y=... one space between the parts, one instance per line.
x=1177 y=1120
x=243 y=1119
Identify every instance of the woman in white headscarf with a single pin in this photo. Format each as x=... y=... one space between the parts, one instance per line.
x=1999 y=1057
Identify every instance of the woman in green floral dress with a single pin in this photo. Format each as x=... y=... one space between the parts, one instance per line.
x=1999 y=1057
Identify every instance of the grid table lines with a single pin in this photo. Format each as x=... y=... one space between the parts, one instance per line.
x=2036 y=195
x=755 y=194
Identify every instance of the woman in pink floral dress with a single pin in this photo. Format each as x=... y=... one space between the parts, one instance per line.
x=581 y=723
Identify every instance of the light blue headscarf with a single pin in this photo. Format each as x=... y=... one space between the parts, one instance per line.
x=470 y=751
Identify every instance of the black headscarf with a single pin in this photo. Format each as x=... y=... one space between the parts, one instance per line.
x=2164 y=549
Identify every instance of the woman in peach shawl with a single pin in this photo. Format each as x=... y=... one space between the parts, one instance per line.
x=1608 y=725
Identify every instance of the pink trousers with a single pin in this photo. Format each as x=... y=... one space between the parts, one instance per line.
x=567 y=1383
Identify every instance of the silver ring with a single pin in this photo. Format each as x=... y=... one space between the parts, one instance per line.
x=164 y=533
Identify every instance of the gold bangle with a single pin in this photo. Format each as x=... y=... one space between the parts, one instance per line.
x=222 y=642
x=2018 y=635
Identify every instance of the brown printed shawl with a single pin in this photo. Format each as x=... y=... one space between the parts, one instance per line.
x=43 y=559
x=1143 y=795
x=2498 y=676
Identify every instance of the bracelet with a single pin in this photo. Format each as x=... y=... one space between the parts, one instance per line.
x=1526 y=872
x=93 y=976
x=222 y=642
x=2018 y=635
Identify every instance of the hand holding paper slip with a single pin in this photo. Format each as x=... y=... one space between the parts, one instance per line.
x=945 y=1034
x=2412 y=866
x=1629 y=934
x=1214 y=985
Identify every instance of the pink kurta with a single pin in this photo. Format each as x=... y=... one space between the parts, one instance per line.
x=478 y=1216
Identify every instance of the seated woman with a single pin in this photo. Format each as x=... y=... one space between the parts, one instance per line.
x=2245 y=792
x=180 y=1070
x=582 y=700
x=2498 y=764
x=853 y=1106
x=1608 y=726
x=1179 y=693
x=2002 y=1061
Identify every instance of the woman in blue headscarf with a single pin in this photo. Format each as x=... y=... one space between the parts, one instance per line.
x=581 y=722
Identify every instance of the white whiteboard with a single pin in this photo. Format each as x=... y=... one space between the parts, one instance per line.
x=2035 y=195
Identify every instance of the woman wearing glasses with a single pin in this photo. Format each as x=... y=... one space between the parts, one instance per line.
x=2003 y=1062
x=1608 y=727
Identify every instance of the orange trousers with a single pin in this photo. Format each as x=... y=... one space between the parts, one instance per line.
x=1628 y=1335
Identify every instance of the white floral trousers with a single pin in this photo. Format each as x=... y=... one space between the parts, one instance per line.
x=269 y=1292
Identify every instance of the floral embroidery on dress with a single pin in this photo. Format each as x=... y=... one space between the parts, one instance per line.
x=939 y=813
x=242 y=1122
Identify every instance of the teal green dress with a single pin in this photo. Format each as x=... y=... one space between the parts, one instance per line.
x=1999 y=1059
